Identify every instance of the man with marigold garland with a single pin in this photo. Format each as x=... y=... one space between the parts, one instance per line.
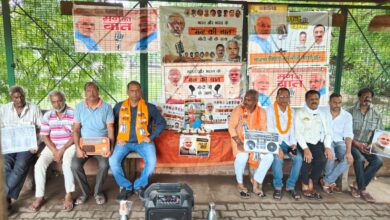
x=280 y=119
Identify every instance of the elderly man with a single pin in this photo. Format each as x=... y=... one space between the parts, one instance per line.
x=175 y=44
x=233 y=89
x=260 y=41
x=83 y=36
x=340 y=123
x=233 y=50
x=255 y=118
x=280 y=119
x=187 y=148
x=174 y=91
x=56 y=132
x=16 y=165
x=261 y=84
x=314 y=142
x=93 y=118
x=365 y=120
x=134 y=120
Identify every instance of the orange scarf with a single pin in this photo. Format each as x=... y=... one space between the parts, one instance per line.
x=141 y=122
x=252 y=124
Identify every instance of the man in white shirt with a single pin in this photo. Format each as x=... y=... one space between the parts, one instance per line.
x=340 y=123
x=280 y=119
x=16 y=165
x=314 y=141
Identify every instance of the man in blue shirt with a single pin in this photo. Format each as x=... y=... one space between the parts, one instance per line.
x=83 y=36
x=92 y=118
x=134 y=119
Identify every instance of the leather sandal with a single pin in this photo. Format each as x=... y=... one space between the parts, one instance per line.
x=354 y=191
x=243 y=192
x=278 y=194
x=294 y=194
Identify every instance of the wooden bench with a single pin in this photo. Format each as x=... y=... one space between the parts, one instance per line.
x=131 y=165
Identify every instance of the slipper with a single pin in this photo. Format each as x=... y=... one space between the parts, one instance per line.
x=354 y=191
x=68 y=206
x=81 y=200
x=100 y=199
x=244 y=193
x=36 y=205
x=316 y=195
x=278 y=194
x=308 y=194
x=259 y=193
x=294 y=194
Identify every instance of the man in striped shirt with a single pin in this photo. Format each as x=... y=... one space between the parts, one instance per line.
x=56 y=132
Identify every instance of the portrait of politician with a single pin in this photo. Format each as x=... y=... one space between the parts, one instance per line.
x=147 y=33
x=85 y=26
x=233 y=51
x=260 y=41
x=174 y=43
x=318 y=34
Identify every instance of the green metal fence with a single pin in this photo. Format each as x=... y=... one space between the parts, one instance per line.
x=44 y=56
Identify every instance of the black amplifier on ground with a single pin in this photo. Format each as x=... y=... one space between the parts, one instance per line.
x=168 y=201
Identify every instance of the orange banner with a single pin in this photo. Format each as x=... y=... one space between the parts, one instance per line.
x=212 y=31
x=287 y=57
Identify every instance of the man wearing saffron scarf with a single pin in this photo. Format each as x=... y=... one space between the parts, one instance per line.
x=255 y=118
x=280 y=119
x=134 y=118
x=314 y=141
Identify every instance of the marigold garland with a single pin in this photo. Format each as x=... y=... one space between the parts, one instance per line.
x=278 y=126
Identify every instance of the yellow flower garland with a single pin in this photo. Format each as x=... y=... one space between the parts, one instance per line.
x=278 y=126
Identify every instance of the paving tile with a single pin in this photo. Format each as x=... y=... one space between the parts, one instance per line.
x=238 y=206
x=246 y=213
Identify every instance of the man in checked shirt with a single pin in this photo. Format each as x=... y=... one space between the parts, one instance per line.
x=365 y=120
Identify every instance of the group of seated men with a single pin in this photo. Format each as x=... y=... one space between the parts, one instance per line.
x=311 y=138
x=128 y=126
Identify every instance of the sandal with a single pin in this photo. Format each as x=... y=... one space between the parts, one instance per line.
x=100 y=199
x=259 y=193
x=68 y=205
x=316 y=195
x=294 y=194
x=36 y=205
x=354 y=191
x=278 y=194
x=81 y=200
x=244 y=194
x=308 y=194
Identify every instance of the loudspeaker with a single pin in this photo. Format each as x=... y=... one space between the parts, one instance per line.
x=168 y=201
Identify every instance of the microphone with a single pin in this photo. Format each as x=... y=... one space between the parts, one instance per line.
x=118 y=38
x=179 y=48
x=216 y=88
x=192 y=88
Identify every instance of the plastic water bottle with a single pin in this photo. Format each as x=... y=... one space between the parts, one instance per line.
x=124 y=209
x=212 y=215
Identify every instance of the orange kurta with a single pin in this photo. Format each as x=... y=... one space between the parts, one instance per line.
x=235 y=124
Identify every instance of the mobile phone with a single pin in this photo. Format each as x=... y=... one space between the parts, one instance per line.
x=293 y=152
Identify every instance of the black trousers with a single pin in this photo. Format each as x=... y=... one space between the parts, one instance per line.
x=314 y=169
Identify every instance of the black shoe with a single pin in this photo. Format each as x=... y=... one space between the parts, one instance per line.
x=9 y=206
x=124 y=194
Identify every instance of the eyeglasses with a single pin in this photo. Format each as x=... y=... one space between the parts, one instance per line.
x=284 y=97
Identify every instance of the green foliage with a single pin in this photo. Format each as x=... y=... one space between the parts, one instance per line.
x=45 y=58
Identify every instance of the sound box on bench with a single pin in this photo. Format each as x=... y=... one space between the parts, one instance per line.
x=168 y=201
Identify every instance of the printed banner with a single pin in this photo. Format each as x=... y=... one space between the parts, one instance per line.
x=217 y=112
x=194 y=145
x=294 y=38
x=183 y=82
x=174 y=115
x=201 y=34
x=260 y=141
x=267 y=80
x=380 y=144
x=100 y=29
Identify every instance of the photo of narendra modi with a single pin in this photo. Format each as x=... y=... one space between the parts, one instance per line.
x=381 y=144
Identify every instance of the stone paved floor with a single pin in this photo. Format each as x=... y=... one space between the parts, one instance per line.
x=221 y=190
